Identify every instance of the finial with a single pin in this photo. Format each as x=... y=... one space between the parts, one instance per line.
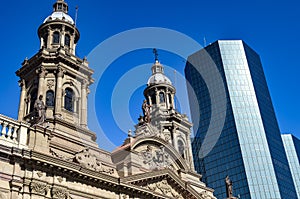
x=155 y=54
x=129 y=133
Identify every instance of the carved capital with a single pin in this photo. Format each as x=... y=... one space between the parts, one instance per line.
x=39 y=188
x=21 y=83
x=84 y=84
x=60 y=71
x=59 y=193
x=42 y=72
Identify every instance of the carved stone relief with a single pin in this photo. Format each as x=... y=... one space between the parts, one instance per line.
x=90 y=161
x=157 y=158
x=50 y=83
x=164 y=188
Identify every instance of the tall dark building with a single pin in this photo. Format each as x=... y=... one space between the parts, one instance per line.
x=292 y=149
x=248 y=147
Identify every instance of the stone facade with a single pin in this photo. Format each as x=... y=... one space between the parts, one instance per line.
x=60 y=158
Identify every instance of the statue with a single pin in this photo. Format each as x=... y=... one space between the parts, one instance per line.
x=40 y=110
x=146 y=111
x=228 y=183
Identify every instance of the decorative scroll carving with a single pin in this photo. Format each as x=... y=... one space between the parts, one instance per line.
x=39 y=187
x=156 y=158
x=59 y=193
x=90 y=161
x=163 y=187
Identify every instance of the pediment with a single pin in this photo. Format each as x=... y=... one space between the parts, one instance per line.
x=163 y=182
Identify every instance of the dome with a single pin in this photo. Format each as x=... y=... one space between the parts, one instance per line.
x=159 y=78
x=61 y=16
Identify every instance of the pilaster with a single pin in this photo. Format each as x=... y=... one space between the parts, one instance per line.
x=58 y=93
x=21 y=112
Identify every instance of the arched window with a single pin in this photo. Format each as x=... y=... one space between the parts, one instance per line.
x=33 y=97
x=50 y=98
x=45 y=38
x=69 y=98
x=67 y=40
x=55 y=39
x=161 y=97
x=181 y=148
x=153 y=99
x=170 y=100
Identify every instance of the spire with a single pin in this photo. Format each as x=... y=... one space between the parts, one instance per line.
x=157 y=67
x=155 y=54
x=60 y=6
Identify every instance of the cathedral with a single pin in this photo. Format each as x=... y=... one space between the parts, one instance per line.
x=49 y=152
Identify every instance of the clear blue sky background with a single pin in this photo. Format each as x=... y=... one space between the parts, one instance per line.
x=271 y=28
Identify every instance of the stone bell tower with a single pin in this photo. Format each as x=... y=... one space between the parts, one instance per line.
x=171 y=125
x=59 y=75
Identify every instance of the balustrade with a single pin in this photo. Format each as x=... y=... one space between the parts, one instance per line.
x=13 y=133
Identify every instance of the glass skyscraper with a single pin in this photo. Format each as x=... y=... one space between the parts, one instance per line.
x=292 y=149
x=248 y=146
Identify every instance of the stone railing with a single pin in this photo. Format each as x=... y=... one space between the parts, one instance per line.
x=13 y=133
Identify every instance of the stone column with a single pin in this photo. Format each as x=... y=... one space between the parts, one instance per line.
x=175 y=137
x=72 y=43
x=173 y=100
x=83 y=118
x=42 y=42
x=49 y=39
x=62 y=36
x=58 y=93
x=150 y=101
x=190 y=153
x=157 y=97
x=22 y=100
x=167 y=99
x=42 y=74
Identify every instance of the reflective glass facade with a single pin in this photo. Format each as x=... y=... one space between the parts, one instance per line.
x=249 y=149
x=292 y=149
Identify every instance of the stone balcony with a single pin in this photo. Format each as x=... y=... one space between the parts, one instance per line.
x=13 y=133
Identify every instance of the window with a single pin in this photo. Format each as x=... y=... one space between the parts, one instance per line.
x=170 y=99
x=45 y=38
x=50 y=98
x=69 y=96
x=153 y=99
x=161 y=97
x=33 y=97
x=55 y=38
x=181 y=148
x=67 y=40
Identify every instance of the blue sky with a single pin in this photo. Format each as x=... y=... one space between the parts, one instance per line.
x=271 y=28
